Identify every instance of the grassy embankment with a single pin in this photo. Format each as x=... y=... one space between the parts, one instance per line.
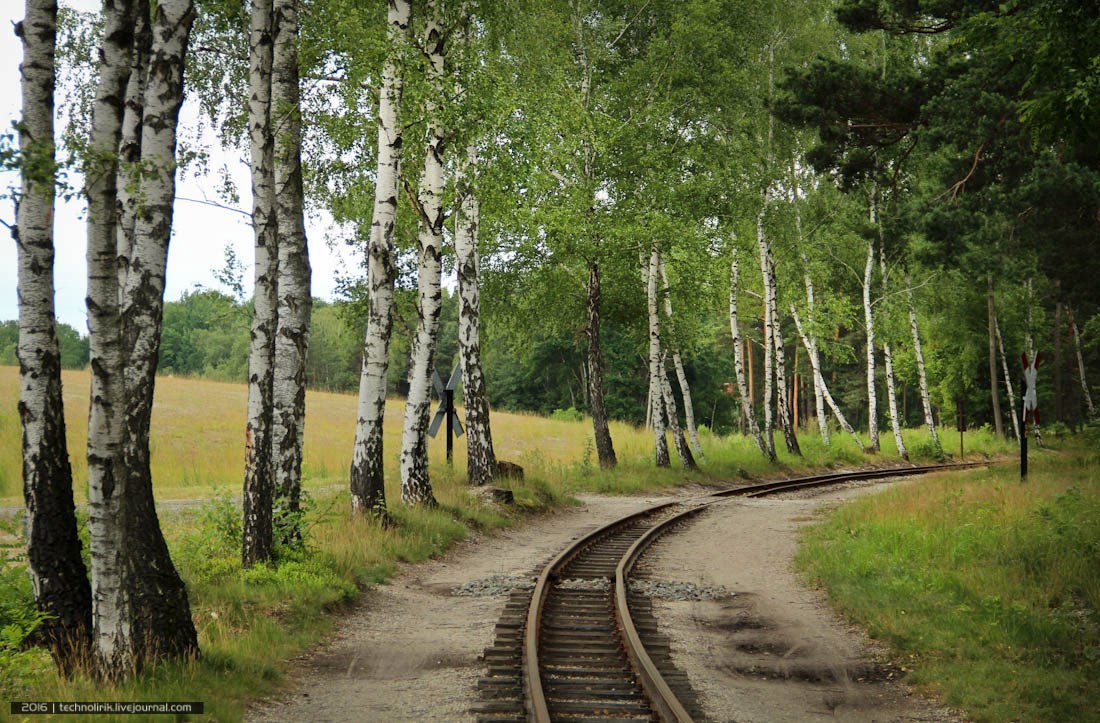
x=987 y=588
x=251 y=621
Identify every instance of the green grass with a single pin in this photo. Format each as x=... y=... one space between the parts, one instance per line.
x=251 y=622
x=987 y=587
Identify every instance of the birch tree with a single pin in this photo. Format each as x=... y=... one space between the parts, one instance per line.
x=994 y=386
x=888 y=359
x=1008 y=380
x=918 y=353
x=58 y=574
x=140 y=606
x=869 y=326
x=481 y=460
x=416 y=485
x=656 y=362
x=678 y=365
x=1080 y=363
x=293 y=279
x=259 y=481
x=738 y=362
x=368 y=490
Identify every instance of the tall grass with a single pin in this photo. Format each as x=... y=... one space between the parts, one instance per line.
x=988 y=586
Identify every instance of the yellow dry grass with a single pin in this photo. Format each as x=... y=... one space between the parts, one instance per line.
x=198 y=437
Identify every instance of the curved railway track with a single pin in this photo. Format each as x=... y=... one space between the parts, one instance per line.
x=580 y=647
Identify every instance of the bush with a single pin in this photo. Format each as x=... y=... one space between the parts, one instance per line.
x=19 y=665
x=567 y=415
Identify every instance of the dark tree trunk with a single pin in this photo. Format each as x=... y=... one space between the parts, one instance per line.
x=604 y=447
x=58 y=574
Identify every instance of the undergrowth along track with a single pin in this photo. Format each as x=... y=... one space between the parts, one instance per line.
x=581 y=647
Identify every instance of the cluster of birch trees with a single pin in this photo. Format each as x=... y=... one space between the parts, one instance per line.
x=755 y=178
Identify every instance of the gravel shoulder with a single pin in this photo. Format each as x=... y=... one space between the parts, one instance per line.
x=756 y=643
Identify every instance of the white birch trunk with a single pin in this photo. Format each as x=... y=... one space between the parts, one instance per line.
x=739 y=364
x=481 y=459
x=1008 y=380
x=415 y=483
x=783 y=404
x=868 y=320
x=681 y=375
x=683 y=450
x=129 y=169
x=809 y=340
x=106 y=419
x=293 y=282
x=1031 y=349
x=1080 y=364
x=57 y=570
x=815 y=363
x=368 y=490
x=888 y=360
x=925 y=398
x=994 y=387
x=259 y=481
x=769 y=341
x=656 y=388
x=160 y=622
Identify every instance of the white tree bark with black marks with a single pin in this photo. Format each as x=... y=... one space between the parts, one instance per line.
x=888 y=361
x=656 y=368
x=106 y=419
x=160 y=622
x=140 y=607
x=293 y=281
x=683 y=450
x=739 y=363
x=368 y=490
x=994 y=385
x=416 y=485
x=681 y=375
x=57 y=570
x=259 y=474
x=782 y=402
x=481 y=459
x=1008 y=380
x=809 y=340
x=769 y=342
x=129 y=152
x=1080 y=364
x=918 y=353
x=869 y=324
x=815 y=363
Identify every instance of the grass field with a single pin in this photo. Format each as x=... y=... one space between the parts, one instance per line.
x=987 y=587
x=251 y=622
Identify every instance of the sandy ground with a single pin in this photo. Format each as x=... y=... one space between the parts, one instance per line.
x=770 y=651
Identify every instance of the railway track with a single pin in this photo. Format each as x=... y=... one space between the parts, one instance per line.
x=580 y=647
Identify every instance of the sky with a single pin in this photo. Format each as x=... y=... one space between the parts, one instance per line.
x=200 y=232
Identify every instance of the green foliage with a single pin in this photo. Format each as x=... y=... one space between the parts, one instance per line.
x=567 y=415
x=73 y=346
x=20 y=665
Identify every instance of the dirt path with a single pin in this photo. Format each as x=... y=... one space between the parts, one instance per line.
x=410 y=650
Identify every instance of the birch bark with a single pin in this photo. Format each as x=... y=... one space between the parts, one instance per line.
x=815 y=363
x=738 y=363
x=293 y=280
x=129 y=169
x=994 y=386
x=869 y=323
x=481 y=460
x=683 y=450
x=416 y=485
x=656 y=388
x=888 y=361
x=57 y=570
x=782 y=402
x=368 y=490
x=160 y=623
x=259 y=482
x=1008 y=381
x=1080 y=363
x=681 y=375
x=769 y=341
x=809 y=340
x=925 y=398
x=106 y=419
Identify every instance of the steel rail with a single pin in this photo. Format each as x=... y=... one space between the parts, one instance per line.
x=665 y=702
